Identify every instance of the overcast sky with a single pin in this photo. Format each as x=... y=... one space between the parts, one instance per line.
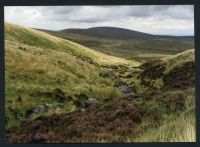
x=168 y=19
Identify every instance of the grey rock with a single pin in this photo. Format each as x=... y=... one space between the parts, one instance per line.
x=29 y=113
x=38 y=108
x=81 y=96
x=60 y=105
x=47 y=106
x=125 y=89
x=91 y=101
x=129 y=95
x=108 y=74
x=35 y=110
x=59 y=94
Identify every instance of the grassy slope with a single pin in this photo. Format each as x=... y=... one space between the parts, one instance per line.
x=40 y=39
x=181 y=127
x=135 y=48
x=39 y=63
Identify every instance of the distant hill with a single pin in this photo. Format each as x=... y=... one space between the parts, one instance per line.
x=108 y=32
x=127 y=43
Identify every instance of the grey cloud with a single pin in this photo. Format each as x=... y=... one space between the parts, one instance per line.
x=73 y=13
x=64 y=10
x=61 y=17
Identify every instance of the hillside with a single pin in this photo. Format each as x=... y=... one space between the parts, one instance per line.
x=58 y=91
x=38 y=38
x=39 y=66
x=126 y=43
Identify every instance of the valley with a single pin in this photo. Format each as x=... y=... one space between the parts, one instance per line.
x=80 y=86
x=126 y=43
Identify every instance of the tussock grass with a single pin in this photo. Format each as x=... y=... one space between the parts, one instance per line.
x=176 y=129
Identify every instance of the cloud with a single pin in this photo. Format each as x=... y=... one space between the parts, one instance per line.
x=155 y=19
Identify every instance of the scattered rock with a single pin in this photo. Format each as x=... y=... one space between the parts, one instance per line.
x=59 y=94
x=81 y=96
x=47 y=106
x=22 y=48
x=36 y=110
x=115 y=117
x=129 y=95
x=19 y=99
x=108 y=74
x=90 y=102
x=114 y=67
x=69 y=98
x=78 y=103
x=29 y=114
x=125 y=89
x=60 y=105
x=58 y=109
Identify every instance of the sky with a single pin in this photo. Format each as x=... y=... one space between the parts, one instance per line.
x=154 y=19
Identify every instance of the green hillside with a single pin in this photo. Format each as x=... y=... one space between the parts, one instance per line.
x=37 y=64
x=127 y=43
x=58 y=91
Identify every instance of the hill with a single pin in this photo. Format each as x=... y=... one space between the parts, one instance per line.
x=126 y=43
x=46 y=71
x=151 y=115
x=58 y=91
x=108 y=32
